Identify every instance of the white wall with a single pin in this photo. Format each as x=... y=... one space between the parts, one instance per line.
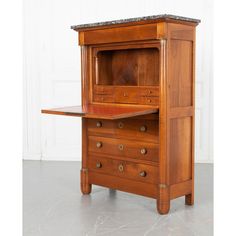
x=52 y=69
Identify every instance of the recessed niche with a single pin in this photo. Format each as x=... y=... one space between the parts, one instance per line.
x=128 y=67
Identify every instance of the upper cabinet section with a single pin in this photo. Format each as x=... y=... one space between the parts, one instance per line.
x=126 y=73
x=126 y=30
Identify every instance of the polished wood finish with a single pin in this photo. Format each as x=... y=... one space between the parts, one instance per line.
x=137 y=128
x=102 y=111
x=124 y=169
x=114 y=70
x=124 y=147
x=138 y=101
x=144 y=95
x=124 y=34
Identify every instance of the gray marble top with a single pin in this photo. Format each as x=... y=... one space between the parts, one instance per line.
x=154 y=17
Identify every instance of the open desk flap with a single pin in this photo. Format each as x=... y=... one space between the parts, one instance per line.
x=109 y=112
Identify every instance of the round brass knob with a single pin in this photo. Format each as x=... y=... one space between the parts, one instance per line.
x=143 y=128
x=99 y=124
x=143 y=173
x=121 y=168
x=99 y=165
x=121 y=147
x=143 y=151
x=149 y=100
x=99 y=144
x=125 y=95
x=149 y=91
x=120 y=125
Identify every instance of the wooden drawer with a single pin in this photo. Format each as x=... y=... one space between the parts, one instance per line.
x=103 y=98
x=137 y=129
x=124 y=148
x=99 y=89
x=149 y=100
x=125 y=169
x=132 y=99
x=151 y=92
x=124 y=34
x=126 y=95
x=146 y=95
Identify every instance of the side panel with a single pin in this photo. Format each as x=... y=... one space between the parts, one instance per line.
x=180 y=106
x=180 y=73
x=180 y=149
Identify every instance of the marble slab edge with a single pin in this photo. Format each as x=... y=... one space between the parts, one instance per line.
x=136 y=19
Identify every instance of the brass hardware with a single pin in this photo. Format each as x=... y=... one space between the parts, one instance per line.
x=99 y=144
x=121 y=168
x=99 y=165
x=143 y=128
x=125 y=95
x=150 y=91
x=121 y=147
x=162 y=185
x=99 y=124
x=143 y=173
x=120 y=125
x=149 y=100
x=143 y=151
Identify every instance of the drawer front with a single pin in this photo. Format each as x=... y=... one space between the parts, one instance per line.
x=150 y=92
x=124 y=148
x=103 y=98
x=125 y=94
x=99 y=89
x=123 y=34
x=138 y=129
x=125 y=169
x=149 y=100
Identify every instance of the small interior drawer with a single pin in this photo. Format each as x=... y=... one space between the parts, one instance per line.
x=145 y=95
x=126 y=95
x=149 y=100
x=98 y=89
x=150 y=92
x=125 y=169
x=103 y=98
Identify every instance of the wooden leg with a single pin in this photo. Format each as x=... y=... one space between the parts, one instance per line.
x=84 y=184
x=163 y=201
x=189 y=199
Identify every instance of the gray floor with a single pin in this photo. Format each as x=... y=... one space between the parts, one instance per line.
x=54 y=206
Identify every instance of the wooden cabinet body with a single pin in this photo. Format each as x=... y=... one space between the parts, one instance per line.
x=138 y=107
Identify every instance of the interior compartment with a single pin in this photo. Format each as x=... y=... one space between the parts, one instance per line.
x=128 y=67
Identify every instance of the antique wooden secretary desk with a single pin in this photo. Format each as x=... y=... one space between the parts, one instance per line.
x=138 y=107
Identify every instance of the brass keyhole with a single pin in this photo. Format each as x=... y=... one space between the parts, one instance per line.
x=120 y=125
x=121 y=168
x=121 y=147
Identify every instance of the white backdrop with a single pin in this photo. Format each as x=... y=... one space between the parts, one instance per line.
x=52 y=69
